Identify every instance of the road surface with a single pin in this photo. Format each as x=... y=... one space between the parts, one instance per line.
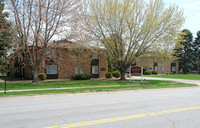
x=154 y=108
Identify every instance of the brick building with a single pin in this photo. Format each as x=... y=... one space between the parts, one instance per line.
x=162 y=67
x=64 y=59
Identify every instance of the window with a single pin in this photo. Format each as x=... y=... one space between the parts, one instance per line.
x=162 y=69
x=95 y=70
x=49 y=53
x=76 y=53
x=95 y=56
x=156 y=68
x=173 y=69
x=174 y=61
x=81 y=70
x=76 y=70
x=51 y=69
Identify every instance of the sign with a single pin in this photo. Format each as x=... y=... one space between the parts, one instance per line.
x=103 y=69
x=135 y=69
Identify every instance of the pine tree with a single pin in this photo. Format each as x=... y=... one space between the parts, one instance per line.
x=5 y=38
x=197 y=51
x=187 y=60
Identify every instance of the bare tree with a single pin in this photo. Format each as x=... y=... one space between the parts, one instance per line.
x=131 y=28
x=38 y=22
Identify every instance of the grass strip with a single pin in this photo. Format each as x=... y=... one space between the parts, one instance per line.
x=78 y=90
x=19 y=85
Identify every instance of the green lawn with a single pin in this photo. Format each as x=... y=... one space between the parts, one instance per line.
x=17 y=85
x=179 y=76
x=89 y=85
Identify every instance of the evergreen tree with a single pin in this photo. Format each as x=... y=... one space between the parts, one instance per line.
x=197 y=52
x=187 y=59
x=5 y=38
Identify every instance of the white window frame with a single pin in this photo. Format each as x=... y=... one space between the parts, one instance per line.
x=162 y=69
x=156 y=68
x=50 y=69
x=95 y=68
x=81 y=70
x=76 y=70
x=173 y=69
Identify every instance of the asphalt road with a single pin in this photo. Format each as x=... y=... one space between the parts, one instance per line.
x=130 y=109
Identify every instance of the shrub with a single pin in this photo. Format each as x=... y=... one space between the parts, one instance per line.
x=116 y=74
x=147 y=72
x=42 y=76
x=81 y=77
x=86 y=76
x=76 y=77
x=144 y=70
x=154 y=72
x=108 y=75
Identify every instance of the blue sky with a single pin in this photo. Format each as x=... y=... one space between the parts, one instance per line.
x=191 y=12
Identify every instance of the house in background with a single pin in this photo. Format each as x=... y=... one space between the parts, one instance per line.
x=162 y=67
x=64 y=59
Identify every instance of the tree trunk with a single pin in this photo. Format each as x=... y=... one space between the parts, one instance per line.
x=122 y=75
x=35 y=76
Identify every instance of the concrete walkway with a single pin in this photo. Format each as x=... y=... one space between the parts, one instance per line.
x=197 y=82
x=1 y=81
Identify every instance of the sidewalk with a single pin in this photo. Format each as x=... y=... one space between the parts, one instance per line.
x=197 y=82
x=1 y=81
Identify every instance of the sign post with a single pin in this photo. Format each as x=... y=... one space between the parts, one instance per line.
x=142 y=74
x=130 y=74
x=5 y=87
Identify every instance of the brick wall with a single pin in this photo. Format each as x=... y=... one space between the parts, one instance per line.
x=148 y=64
x=103 y=65
x=66 y=62
x=166 y=68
